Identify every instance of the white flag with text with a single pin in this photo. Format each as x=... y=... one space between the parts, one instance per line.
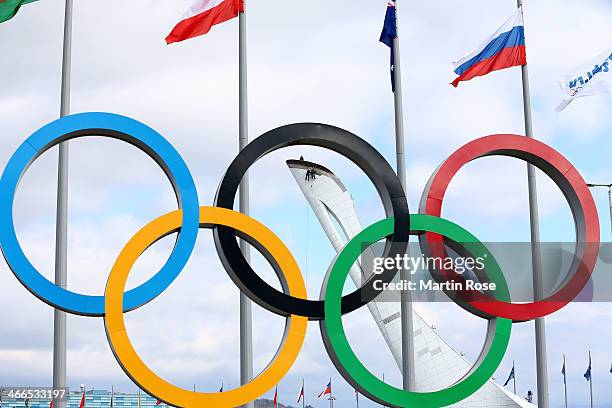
x=591 y=78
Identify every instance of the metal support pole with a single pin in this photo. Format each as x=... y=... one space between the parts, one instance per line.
x=407 y=324
x=246 y=318
x=536 y=259
x=61 y=229
x=610 y=204
x=609 y=187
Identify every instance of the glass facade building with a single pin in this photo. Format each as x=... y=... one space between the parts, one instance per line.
x=93 y=399
x=102 y=399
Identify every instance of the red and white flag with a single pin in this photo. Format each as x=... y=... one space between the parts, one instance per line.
x=202 y=15
x=82 y=404
x=276 y=397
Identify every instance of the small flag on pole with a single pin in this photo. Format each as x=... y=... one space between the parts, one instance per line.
x=389 y=33
x=221 y=389
x=276 y=397
x=504 y=49
x=587 y=375
x=611 y=369
x=327 y=390
x=563 y=369
x=510 y=377
x=8 y=8
x=82 y=404
x=301 y=393
x=202 y=16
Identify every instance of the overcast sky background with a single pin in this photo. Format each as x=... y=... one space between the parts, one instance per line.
x=311 y=61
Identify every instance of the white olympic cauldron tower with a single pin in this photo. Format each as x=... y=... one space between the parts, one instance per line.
x=437 y=364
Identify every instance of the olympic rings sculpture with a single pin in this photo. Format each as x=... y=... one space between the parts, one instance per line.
x=433 y=231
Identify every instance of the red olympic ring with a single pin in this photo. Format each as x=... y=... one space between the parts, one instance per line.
x=573 y=187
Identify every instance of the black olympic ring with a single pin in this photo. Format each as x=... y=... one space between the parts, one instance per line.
x=351 y=146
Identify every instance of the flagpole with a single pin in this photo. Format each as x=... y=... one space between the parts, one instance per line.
x=590 y=379
x=383 y=379
x=565 y=380
x=610 y=204
x=61 y=229
x=246 y=318
x=303 y=395
x=514 y=379
x=536 y=260
x=407 y=324
x=591 y=389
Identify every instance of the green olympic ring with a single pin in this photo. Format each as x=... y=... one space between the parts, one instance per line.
x=347 y=362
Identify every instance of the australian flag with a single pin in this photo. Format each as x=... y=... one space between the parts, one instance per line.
x=389 y=33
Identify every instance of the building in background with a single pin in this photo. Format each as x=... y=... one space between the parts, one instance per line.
x=437 y=364
x=93 y=399
x=102 y=399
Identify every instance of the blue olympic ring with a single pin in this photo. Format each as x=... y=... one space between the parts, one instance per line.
x=124 y=129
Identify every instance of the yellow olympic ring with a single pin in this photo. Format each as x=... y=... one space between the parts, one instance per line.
x=138 y=371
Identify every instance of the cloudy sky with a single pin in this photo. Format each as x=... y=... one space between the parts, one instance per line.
x=311 y=61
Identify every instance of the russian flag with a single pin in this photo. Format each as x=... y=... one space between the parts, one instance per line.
x=504 y=49
x=326 y=391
